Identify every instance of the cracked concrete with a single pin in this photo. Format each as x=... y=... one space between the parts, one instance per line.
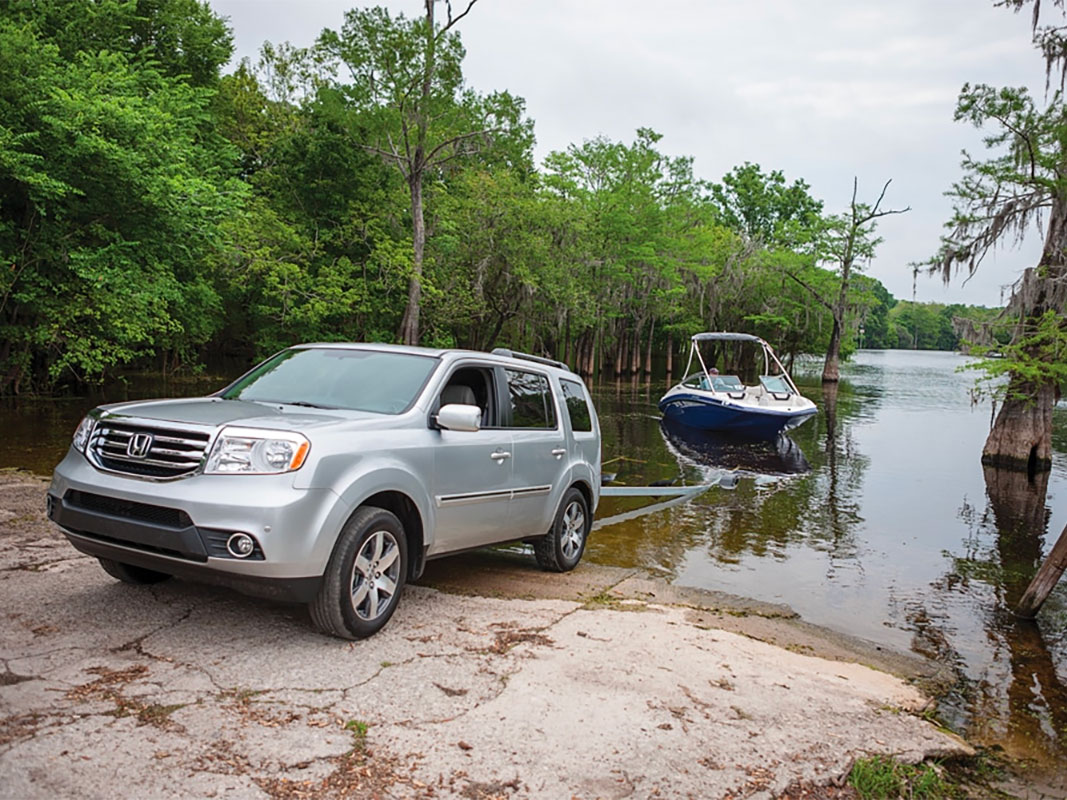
x=594 y=684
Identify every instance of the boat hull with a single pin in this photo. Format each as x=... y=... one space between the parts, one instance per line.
x=712 y=414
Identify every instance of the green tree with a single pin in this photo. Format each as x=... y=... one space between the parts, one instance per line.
x=112 y=186
x=316 y=252
x=764 y=208
x=642 y=220
x=414 y=110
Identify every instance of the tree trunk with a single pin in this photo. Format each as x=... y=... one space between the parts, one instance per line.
x=568 y=352
x=409 y=324
x=1048 y=575
x=830 y=372
x=1021 y=437
x=648 y=350
x=594 y=353
x=670 y=354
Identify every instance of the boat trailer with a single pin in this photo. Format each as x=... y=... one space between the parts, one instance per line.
x=675 y=495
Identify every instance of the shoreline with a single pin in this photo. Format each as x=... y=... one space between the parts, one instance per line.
x=489 y=668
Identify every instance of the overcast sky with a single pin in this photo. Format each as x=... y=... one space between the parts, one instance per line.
x=823 y=90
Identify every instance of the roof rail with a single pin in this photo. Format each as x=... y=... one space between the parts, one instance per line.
x=503 y=351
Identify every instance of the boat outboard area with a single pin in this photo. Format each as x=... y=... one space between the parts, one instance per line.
x=709 y=401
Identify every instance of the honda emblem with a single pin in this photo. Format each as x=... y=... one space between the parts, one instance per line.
x=139 y=445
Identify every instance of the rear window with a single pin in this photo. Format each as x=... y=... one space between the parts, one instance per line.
x=577 y=406
x=531 y=400
x=329 y=377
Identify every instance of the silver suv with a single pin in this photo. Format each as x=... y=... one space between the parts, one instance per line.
x=330 y=473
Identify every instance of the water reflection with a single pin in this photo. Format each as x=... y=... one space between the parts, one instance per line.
x=781 y=456
x=1017 y=700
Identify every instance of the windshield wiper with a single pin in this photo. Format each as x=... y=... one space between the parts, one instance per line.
x=269 y=402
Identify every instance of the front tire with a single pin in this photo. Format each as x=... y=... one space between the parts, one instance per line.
x=128 y=573
x=367 y=570
x=561 y=548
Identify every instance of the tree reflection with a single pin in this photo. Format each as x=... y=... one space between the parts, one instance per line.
x=1037 y=699
x=1024 y=708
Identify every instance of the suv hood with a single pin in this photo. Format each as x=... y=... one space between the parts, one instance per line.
x=214 y=411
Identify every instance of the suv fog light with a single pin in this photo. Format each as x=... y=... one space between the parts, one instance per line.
x=240 y=545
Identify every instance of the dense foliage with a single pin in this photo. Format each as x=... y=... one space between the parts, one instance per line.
x=154 y=211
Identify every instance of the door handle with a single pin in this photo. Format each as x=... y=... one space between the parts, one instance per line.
x=559 y=452
x=500 y=455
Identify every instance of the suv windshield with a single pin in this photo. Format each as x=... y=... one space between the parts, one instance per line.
x=329 y=377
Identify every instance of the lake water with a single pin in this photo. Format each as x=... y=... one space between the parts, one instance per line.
x=876 y=519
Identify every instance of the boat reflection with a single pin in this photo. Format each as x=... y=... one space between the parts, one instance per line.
x=781 y=456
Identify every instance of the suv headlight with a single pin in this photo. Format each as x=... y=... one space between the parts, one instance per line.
x=82 y=434
x=252 y=451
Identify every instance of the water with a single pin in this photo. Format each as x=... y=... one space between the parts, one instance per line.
x=876 y=519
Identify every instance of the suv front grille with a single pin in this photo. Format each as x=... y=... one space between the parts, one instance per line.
x=169 y=452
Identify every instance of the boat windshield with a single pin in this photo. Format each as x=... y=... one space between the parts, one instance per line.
x=776 y=385
x=719 y=383
x=726 y=383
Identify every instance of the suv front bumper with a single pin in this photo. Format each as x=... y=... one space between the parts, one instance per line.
x=181 y=527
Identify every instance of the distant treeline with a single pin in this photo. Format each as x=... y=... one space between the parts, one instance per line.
x=155 y=212
x=927 y=326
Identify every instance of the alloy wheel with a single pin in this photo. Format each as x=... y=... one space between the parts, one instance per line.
x=573 y=529
x=375 y=575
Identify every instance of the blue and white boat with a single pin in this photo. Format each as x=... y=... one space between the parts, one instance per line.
x=712 y=402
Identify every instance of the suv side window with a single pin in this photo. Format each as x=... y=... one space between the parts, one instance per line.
x=577 y=407
x=475 y=386
x=531 y=400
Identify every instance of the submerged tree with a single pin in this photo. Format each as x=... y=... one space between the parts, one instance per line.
x=847 y=240
x=998 y=201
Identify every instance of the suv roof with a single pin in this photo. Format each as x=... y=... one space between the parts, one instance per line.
x=499 y=353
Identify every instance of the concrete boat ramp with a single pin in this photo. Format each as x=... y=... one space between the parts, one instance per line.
x=492 y=680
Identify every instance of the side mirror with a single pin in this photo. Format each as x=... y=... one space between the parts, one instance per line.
x=457 y=417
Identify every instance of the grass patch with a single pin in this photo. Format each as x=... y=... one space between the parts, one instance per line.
x=605 y=599
x=359 y=730
x=157 y=714
x=602 y=598
x=884 y=778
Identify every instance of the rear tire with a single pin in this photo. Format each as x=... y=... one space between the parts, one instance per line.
x=561 y=548
x=363 y=580
x=128 y=573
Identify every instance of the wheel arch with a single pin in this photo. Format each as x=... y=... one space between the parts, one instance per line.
x=407 y=512
x=586 y=490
